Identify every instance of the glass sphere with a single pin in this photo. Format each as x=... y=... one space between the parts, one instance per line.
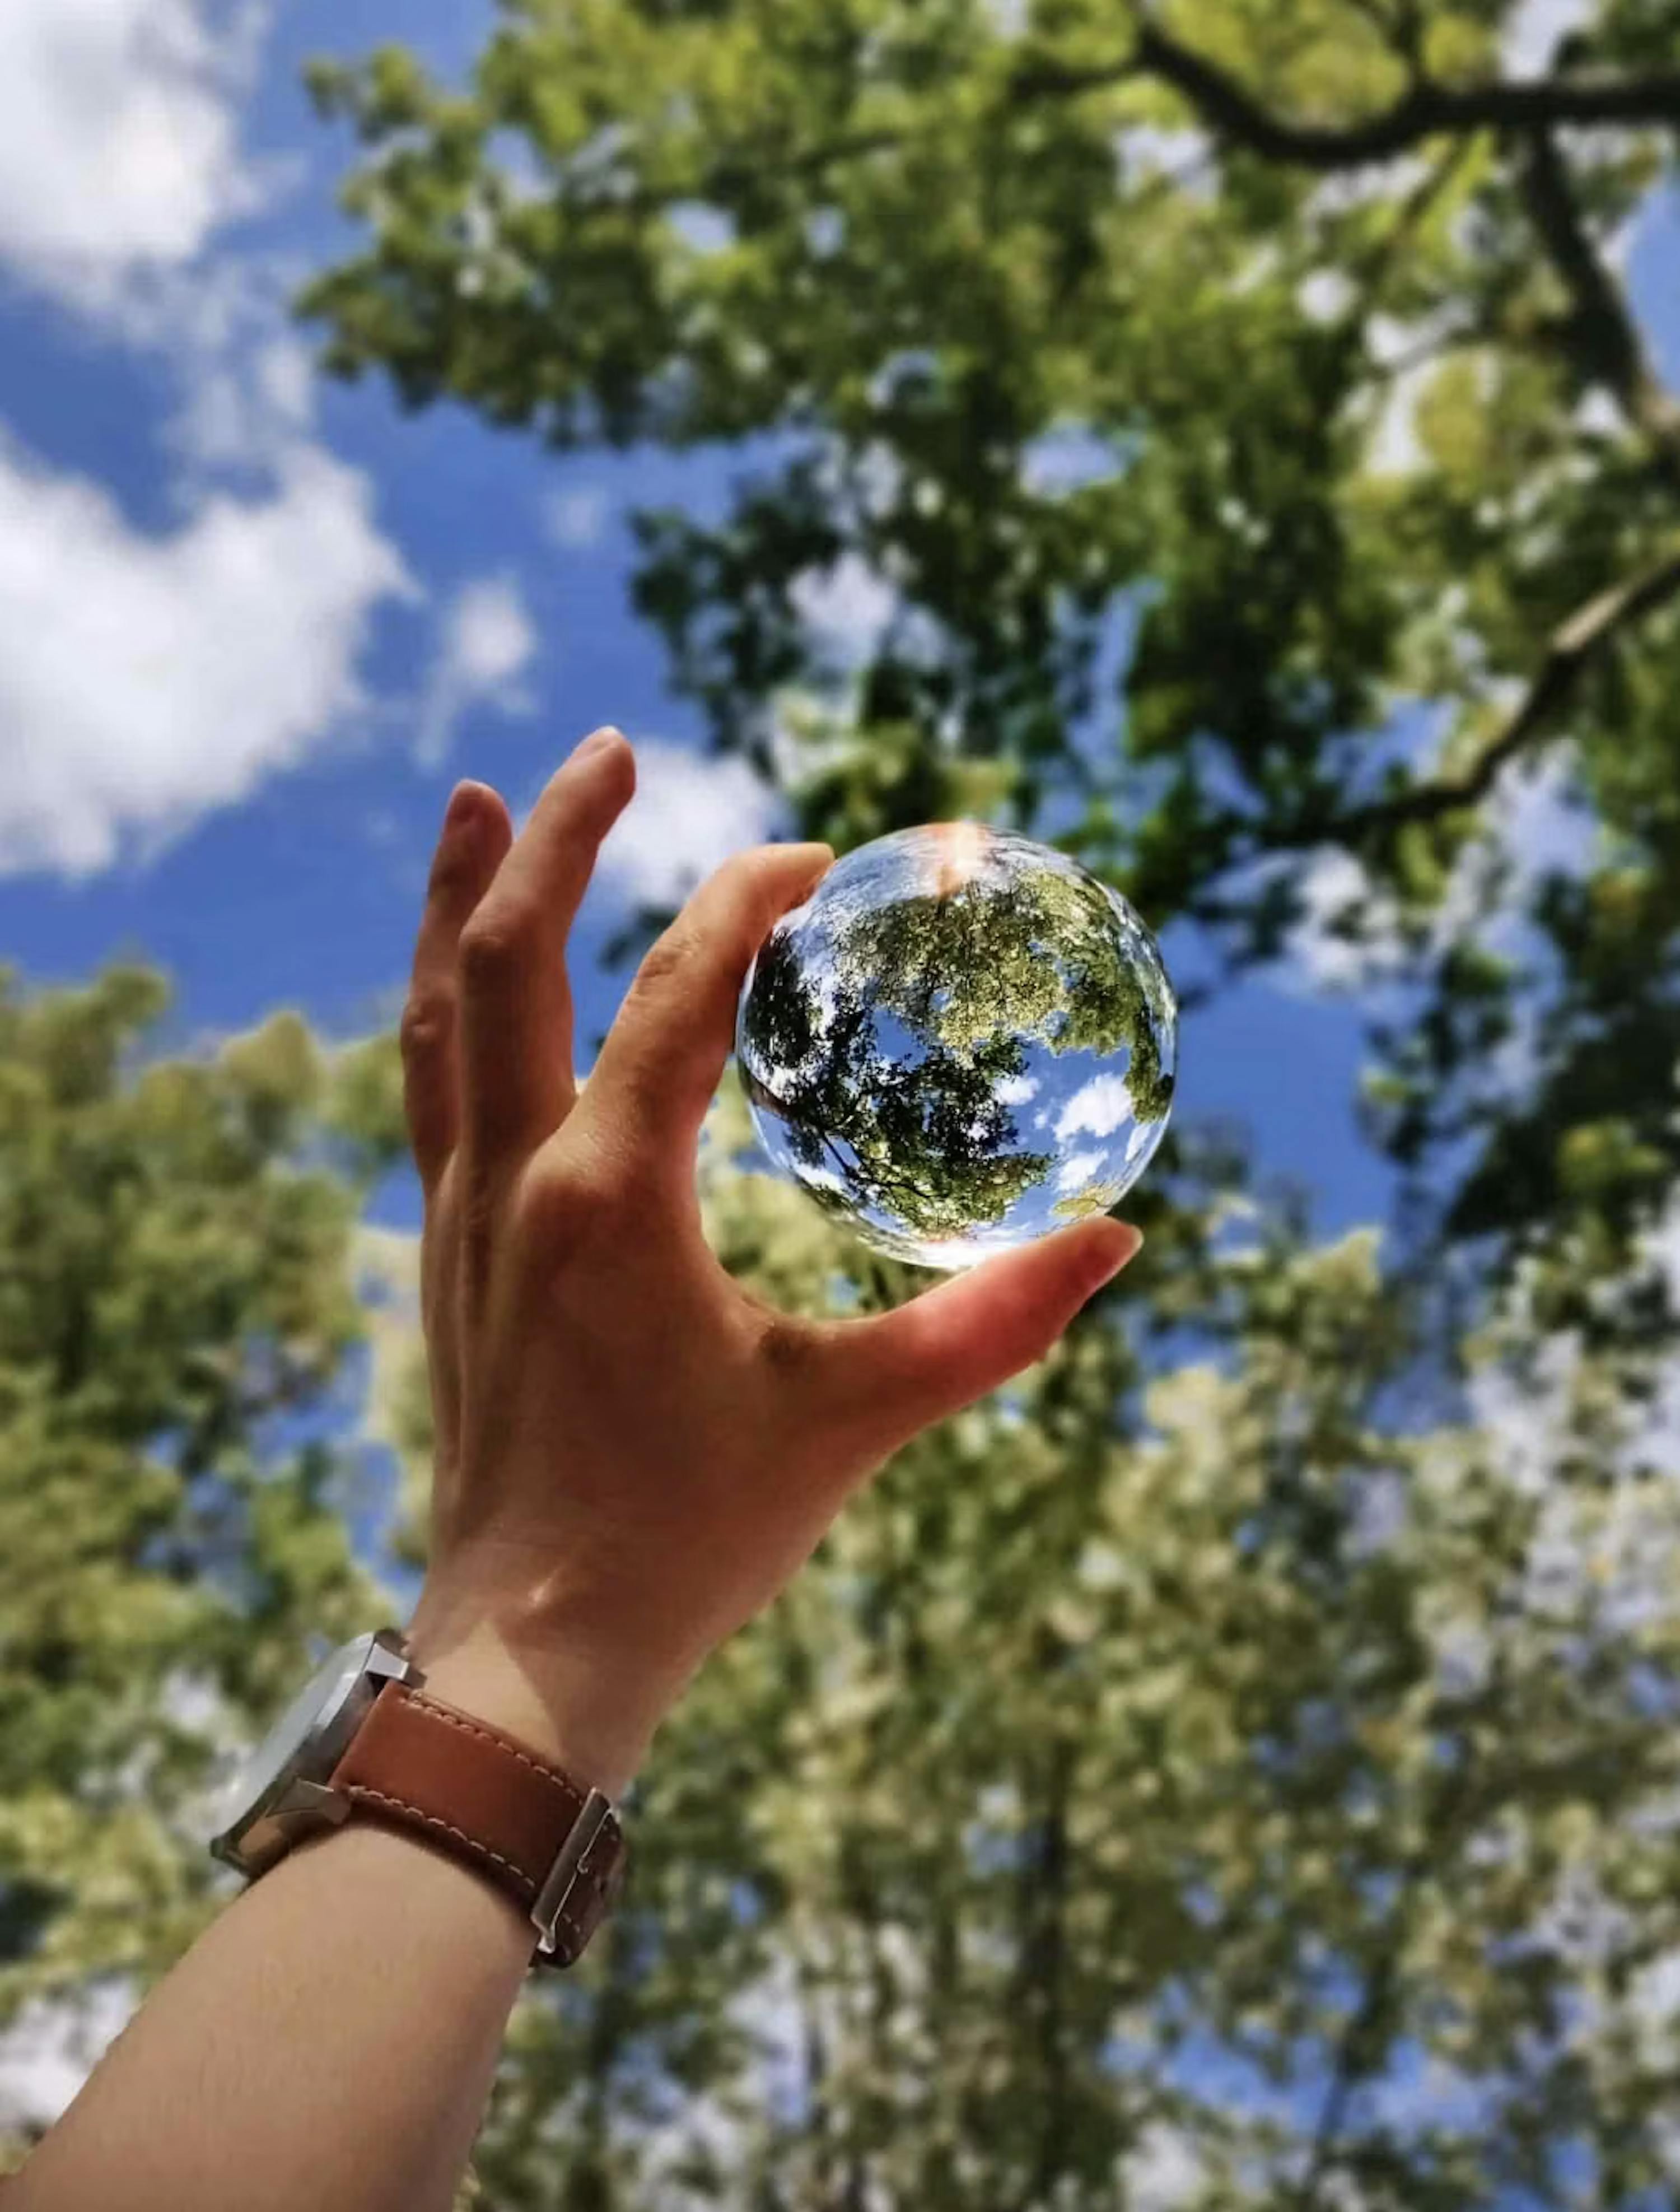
x=961 y=1041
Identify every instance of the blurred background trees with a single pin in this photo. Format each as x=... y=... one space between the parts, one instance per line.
x=178 y=1299
x=1237 y=1766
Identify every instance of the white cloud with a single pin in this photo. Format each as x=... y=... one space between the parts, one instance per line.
x=1532 y=33
x=1538 y=813
x=1016 y=1090
x=130 y=115
x=146 y=680
x=1098 y=1108
x=849 y=606
x=487 y=640
x=149 y=677
x=245 y=381
x=876 y=474
x=807 y=737
x=1532 y=828
x=118 y=143
x=1335 y=889
x=689 y=813
x=576 y=519
x=245 y=402
x=1163 y=2169
x=286 y=378
x=1078 y=1169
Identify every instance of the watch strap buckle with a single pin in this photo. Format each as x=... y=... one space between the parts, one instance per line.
x=562 y=1933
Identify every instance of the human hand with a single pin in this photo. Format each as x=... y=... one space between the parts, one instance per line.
x=633 y=1454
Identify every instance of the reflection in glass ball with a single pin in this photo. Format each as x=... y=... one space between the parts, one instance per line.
x=961 y=1041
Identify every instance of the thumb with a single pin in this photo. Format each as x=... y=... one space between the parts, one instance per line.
x=905 y=1370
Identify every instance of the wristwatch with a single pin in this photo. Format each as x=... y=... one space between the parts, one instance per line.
x=363 y=1740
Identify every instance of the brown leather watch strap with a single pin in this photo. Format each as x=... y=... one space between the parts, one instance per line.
x=417 y=1764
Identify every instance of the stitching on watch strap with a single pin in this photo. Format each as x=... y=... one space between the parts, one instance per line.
x=590 y=1886
x=362 y=1791
x=434 y=1711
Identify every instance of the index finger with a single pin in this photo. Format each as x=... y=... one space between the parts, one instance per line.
x=516 y=1003
x=476 y=834
x=665 y=1054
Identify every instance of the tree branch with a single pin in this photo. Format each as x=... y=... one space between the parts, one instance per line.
x=1607 y=341
x=1575 y=645
x=1410 y=217
x=1043 y=1954
x=1424 y=110
x=1363 y=2040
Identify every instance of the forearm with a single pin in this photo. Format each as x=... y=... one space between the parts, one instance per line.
x=329 y=2042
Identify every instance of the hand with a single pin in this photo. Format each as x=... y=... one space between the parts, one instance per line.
x=634 y=1455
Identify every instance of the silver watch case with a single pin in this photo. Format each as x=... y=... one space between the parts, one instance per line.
x=279 y=1795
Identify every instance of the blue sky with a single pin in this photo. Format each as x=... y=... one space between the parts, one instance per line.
x=252 y=624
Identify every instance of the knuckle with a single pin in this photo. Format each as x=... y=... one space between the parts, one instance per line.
x=667 y=959
x=751 y=901
x=425 y=1026
x=562 y=1207
x=497 y=939
x=742 y=875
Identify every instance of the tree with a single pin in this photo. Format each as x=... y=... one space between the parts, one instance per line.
x=1287 y=1729
x=176 y=1310
x=1233 y=1792
x=1088 y=1759
x=1286 y=343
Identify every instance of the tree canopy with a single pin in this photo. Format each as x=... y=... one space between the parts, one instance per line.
x=1282 y=351
x=1237 y=1765
x=178 y=1306
x=1241 y=416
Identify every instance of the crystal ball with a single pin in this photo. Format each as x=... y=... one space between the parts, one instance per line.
x=961 y=1041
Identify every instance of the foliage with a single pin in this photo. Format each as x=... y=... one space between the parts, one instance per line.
x=1237 y=1765
x=1170 y=1771
x=1234 y=1768
x=1156 y=1777
x=1278 y=351
x=176 y=1311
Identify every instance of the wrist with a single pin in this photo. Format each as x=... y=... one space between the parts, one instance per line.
x=592 y=1722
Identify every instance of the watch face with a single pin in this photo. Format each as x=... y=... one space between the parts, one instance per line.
x=304 y=1745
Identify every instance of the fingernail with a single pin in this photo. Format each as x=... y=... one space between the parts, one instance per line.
x=598 y=742
x=462 y=807
x=1122 y=1243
